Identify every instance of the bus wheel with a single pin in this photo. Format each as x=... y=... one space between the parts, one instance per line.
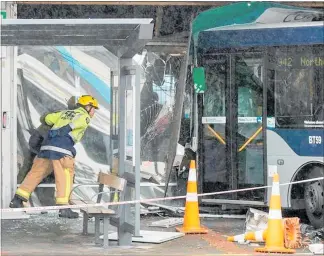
x=314 y=198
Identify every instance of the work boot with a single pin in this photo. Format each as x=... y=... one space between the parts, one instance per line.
x=68 y=213
x=16 y=202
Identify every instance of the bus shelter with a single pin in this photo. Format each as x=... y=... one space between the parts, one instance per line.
x=122 y=37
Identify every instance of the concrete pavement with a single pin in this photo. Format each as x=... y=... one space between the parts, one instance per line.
x=46 y=234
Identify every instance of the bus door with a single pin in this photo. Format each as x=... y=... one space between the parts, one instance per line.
x=231 y=155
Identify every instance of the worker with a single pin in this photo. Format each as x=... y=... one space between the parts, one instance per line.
x=57 y=152
x=35 y=142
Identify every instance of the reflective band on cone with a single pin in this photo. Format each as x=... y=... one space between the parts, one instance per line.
x=236 y=238
x=275 y=189
x=192 y=175
x=257 y=236
x=275 y=215
x=192 y=197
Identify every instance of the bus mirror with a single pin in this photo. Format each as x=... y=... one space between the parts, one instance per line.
x=199 y=79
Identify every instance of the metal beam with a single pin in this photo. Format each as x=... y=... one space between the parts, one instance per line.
x=120 y=23
x=124 y=37
x=124 y=237
x=137 y=145
x=239 y=202
x=49 y=33
x=177 y=110
x=136 y=41
x=167 y=47
x=163 y=3
x=121 y=3
x=68 y=40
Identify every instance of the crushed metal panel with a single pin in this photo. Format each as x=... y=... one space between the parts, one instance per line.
x=256 y=220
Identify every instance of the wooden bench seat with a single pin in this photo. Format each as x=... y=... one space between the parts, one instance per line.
x=100 y=212
x=97 y=210
x=92 y=210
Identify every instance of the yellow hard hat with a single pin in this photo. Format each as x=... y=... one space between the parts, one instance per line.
x=86 y=100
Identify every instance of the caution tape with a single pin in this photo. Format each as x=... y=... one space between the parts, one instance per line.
x=42 y=208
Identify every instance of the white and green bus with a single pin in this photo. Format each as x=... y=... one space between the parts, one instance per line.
x=258 y=72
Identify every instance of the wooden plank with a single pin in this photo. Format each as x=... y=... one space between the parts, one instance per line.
x=111 y=181
x=92 y=210
x=79 y=201
x=97 y=210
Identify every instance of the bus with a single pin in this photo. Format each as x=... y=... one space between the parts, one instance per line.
x=258 y=104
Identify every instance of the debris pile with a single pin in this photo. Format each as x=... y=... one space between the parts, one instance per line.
x=256 y=220
x=296 y=235
x=310 y=235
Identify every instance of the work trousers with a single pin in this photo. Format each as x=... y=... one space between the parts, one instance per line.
x=42 y=167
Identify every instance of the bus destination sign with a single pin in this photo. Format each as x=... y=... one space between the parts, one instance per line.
x=300 y=61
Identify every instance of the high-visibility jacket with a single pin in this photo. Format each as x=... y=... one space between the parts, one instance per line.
x=68 y=128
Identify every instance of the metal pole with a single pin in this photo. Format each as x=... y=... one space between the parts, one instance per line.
x=137 y=147
x=122 y=124
x=123 y=237
x=265 y=123
x=112 y=83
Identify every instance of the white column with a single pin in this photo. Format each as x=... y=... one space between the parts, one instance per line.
x=8 y=96
x=137 y=146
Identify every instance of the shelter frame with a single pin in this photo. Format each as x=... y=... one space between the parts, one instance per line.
x=122 y=37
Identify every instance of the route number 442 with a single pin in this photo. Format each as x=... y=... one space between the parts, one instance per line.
x=315 y=139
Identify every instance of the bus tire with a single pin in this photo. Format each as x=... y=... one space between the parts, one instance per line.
x=314 y=197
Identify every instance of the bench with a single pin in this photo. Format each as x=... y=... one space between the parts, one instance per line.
x=112 y=182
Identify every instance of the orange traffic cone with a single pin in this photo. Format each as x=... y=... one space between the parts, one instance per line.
x=275 y=230
x=257 y=236
x=191 y=223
